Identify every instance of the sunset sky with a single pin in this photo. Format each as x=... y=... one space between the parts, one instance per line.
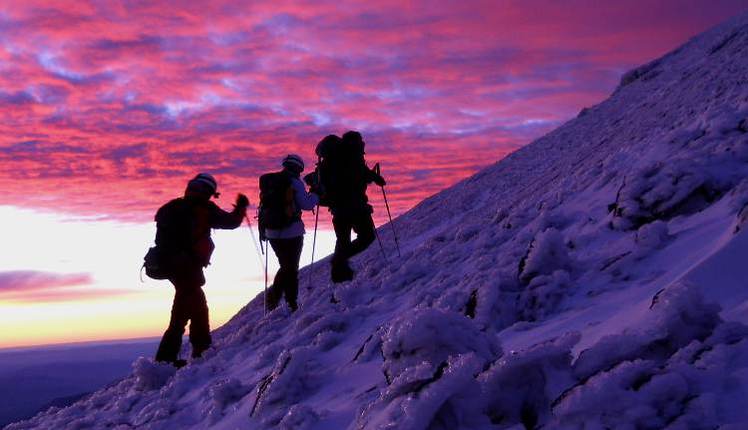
x=108 y=108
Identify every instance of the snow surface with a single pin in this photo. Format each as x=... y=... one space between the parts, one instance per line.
x=594 y=279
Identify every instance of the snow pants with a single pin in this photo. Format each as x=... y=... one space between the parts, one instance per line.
x=189 y=306
x=286 y=282
x=358 y=221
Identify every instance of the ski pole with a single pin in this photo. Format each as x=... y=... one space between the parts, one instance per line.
x=258 y=248
x=316 y=222
x=265 y=296
x=389 y=214
x=314 y=244
x=384 y=254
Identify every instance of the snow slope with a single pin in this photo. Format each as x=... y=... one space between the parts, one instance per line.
x=596 y=278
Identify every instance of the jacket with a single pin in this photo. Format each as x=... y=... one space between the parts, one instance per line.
x=303 y=201
x=183 y=226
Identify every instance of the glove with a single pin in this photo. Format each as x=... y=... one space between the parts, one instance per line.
x=312 y=179
x=379 y=180
x=309 y=179
x=242 y=201
x=317 y=189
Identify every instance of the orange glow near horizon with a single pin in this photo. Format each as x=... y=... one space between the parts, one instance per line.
x=84 y=285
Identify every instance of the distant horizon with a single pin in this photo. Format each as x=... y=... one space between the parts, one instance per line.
x=62 y=345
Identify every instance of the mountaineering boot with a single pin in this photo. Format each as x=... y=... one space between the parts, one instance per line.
x=341 y=272
x=178 y=363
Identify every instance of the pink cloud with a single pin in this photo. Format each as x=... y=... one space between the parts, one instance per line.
x=36 y=286
x=29 y=280
x=109 y=109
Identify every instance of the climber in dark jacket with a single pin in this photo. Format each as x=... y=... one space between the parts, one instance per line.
x=183 y=233
x=348 y=180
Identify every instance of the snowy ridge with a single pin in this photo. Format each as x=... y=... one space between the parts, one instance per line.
x=595 y=278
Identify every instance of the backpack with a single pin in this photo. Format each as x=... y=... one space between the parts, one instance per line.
x=176 y=223
x=156 y=264
x=277 y=208
x=341 y=170
x=328 y=153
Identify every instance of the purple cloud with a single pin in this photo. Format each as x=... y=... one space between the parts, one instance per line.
x=38 y=286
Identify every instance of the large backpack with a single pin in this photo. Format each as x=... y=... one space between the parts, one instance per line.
x=181 y=238
x=341 y=170
x=173 y=233
x=328 y=151
x=277 y=208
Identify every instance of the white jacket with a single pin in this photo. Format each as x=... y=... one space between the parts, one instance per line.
x=304 y=201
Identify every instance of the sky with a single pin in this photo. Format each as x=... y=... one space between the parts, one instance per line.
x=108 y=108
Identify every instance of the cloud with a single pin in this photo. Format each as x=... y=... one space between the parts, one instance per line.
x=107 y=109
x=16 y=98
x=29 y=280
x=37 y=286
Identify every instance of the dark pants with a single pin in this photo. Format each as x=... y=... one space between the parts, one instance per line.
x=286 y=282
x=362 y=224
x=189 y=305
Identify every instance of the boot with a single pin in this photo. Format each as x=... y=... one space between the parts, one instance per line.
x=178 y=363
x=273 y=298
x=341 y=271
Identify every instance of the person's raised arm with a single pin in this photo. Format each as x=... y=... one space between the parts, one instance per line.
x=229 y=220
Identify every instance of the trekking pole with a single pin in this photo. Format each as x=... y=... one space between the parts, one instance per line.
x=389 y=214
x=265 y=296
x=258 y=248
x=314 y=243
x=316 y=222
x=384 y=254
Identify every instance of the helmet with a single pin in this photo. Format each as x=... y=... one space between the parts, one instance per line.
x=204 y=183
x=293 y=162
